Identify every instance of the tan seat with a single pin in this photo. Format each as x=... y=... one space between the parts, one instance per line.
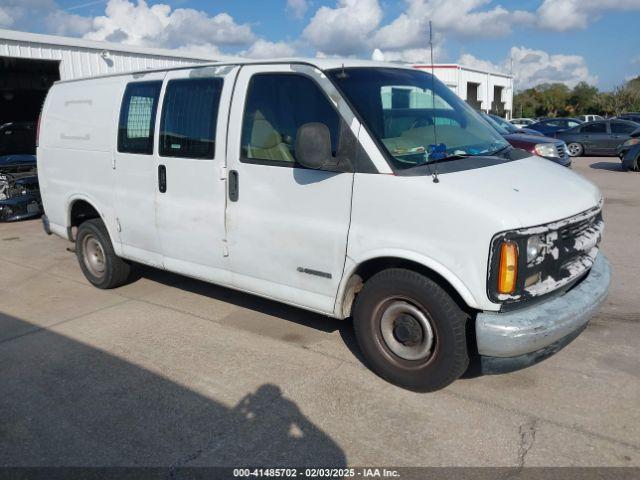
x=266 y=143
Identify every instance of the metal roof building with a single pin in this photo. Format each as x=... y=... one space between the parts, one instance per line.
x=483 y=90
x=30 y=63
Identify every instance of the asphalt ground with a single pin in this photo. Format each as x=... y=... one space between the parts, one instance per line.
x=169 y=371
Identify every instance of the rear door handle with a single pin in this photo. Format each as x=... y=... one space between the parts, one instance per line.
x=233 y=186
x=162 y=178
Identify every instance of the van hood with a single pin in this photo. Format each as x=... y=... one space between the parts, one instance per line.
x=522 y=193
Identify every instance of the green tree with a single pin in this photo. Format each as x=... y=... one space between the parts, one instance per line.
x=526 y=103
x=584 y=99
x=554 y=98
x=623 y=98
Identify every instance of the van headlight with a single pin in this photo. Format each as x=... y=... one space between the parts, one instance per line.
x=515 y=263
x=535 y=249
x=546 y=150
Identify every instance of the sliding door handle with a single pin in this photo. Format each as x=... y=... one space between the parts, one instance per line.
x=162 y=178
x=233 y=186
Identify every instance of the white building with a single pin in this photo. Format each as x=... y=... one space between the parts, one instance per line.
x=483 y=90
x=30 y=63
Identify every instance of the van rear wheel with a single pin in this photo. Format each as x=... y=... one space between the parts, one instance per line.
x=411 y=332
x=98 y=261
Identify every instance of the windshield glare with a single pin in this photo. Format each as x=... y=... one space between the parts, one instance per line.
x=503 y=123
x=410 y=113
x=494 y=123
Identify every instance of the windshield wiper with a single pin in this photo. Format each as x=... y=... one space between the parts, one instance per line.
x=446 y=158
x=495 y=152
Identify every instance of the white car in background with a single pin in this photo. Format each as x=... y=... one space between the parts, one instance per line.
x=590 y=118
x=522 y=122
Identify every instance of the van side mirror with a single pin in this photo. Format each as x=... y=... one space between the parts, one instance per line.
x=313 y=147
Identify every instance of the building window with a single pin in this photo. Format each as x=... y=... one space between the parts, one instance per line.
x=137 y=117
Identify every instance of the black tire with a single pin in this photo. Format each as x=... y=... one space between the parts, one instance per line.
x=449 y=355
x=575 y=149
x=112 y=271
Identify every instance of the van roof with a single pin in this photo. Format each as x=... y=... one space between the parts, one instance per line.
x=320 y=63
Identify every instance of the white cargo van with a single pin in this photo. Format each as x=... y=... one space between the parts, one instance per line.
x=349 y=188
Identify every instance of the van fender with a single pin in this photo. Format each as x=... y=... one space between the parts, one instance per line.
x=348 y=286
x=115 y=239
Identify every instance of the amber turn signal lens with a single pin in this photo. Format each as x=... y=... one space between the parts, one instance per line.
x=508 y=271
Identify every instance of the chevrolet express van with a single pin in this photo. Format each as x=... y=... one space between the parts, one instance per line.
x=350 y=188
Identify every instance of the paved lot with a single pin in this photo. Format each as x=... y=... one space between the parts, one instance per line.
x=171 y=371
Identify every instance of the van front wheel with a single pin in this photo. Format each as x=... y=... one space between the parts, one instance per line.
x=411 y=332
x=98 y=261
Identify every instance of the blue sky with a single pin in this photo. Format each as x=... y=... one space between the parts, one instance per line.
x=597 y=41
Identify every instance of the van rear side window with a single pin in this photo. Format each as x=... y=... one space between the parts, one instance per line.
x=189 y=117
x=138 y=117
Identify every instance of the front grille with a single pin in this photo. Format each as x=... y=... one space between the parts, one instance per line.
x=570 y=248
x=560 y=149
x=576 y=229
x=570 y=255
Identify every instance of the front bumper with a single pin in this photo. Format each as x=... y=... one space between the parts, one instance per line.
x=20 y=208
x=513 y=340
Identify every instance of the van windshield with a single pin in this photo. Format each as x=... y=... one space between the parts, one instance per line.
x=415 y=117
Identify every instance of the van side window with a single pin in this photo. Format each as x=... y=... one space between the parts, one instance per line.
x=189 y=118
x=276 y=106
x=138 y=117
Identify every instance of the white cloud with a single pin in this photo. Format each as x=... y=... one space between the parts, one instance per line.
x=23 y=13
x=158 y=25
x=563 y=15
x=345 y=29
x=533 y=67
x=60 y=22
x=412 y=55
x=297 y=8
x=470 y=61
x=5 y=18
x=462 y=18
x=265 y=49
x=205 y=50
x=352 y=27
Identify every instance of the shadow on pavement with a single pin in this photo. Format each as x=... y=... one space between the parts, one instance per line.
x=612 y=166
x=280 y=310
x=240 y=299
x=64 y=403
x=258 y=304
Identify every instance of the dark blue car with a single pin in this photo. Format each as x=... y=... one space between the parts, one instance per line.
x=19 y=191
x=512 y=128
x=549 y=126
x=631 y=160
